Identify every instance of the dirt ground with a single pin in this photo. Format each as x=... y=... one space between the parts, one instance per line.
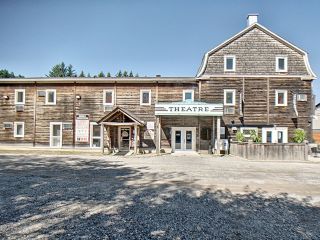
x=157 y=197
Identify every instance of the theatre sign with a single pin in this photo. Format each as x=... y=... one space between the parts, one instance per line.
x=189 y=109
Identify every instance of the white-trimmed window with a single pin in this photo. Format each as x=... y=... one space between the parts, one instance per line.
x=247 y=131
x=188 y=95
x=145 y=97
x=281 y=98
x=19 y=96
x=51 y=97
x=108 y=97
x=281 y=64
x=95 y=135
x=229 y=63
x=275 y=135
x=229 y=97
x=18 y=129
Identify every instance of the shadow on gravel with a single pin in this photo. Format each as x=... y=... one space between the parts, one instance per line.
x=68 y=197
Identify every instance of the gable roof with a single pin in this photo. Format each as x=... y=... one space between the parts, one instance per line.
x=124 y=112
x=265 y=30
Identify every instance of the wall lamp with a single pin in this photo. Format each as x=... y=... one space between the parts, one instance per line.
x=5 y=97
x=78 y=97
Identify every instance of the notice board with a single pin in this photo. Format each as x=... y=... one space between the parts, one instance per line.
x=82 y=128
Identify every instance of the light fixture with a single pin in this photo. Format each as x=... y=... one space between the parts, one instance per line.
x=5 y=97
x=234 y=129
x=78 y=97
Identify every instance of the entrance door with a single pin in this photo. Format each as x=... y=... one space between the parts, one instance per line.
x=124 y=138
x=56 y=135
x=184 y=139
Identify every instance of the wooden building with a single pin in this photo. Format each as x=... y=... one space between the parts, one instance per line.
x=255 y=80
x=316 y=124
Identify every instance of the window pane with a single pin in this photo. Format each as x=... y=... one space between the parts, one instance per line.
x=51 y=97
x=269 y=137
x=188 y=96
x=96 y=131
x=145 y=97
x=108 y=97
x=280 y=137
x=281 y=64
x=20 y=97
x=19 y=129
x=56 y=130
x=229 y=96
x=230 y=63
x=206 y=133
x=96 y=142
x=280 y=98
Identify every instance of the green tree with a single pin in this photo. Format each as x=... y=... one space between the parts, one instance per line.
x=101 y=75
x=4 y=73
x=125 y=73
x=119 y=74
x=82 y=74
x=88 y=75
x=137 y=75
x=131 y=74
x=61 y=70
x=108 y=74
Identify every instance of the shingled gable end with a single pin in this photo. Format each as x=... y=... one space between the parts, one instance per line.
x=255 y=48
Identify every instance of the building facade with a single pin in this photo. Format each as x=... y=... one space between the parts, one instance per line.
x=255 y=80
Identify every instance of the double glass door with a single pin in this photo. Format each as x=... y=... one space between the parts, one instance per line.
x=184 y=139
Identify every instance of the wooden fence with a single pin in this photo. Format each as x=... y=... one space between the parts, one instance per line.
x=269 y=151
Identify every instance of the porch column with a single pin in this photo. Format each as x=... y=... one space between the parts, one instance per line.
x=157 y=135
x=102 y=138
x=213 y=138
x=135 y=138
x=218 y=134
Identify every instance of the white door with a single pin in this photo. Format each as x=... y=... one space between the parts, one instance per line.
x=183 y=139
x=95 y=135
x=56 y=134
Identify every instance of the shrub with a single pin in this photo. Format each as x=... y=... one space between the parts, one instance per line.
x=299 y=135
x=254 y=136
x=240 y=136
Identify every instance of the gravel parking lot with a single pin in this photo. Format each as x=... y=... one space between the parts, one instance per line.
x=164 y=197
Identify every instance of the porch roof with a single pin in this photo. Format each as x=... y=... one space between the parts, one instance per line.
x=128 y=114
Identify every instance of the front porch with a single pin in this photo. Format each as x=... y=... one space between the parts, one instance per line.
x=120 y=131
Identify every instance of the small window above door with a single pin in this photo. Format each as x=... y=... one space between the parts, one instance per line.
x=108 y=97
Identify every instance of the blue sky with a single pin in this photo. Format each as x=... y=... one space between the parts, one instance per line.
x=167 y=37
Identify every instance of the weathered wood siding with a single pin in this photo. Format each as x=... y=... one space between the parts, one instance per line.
x=266 y=151
x=256 y=54
x=259 y=102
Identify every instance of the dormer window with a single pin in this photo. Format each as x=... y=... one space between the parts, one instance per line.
x=281 y=64
x=188 y=95
x=229 y=63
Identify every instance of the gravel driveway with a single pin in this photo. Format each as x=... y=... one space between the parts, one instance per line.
x=167 y=197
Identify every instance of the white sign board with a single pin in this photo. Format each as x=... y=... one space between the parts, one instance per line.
x=189 y=109
x=82 y=128
x=150 y=125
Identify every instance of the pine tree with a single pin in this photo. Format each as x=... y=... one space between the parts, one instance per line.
x=125 y=73
x=60 y=70
x=119 y=74
x=82 y=74
x=131 y=74
x=101 y=75
x=108 y=74
x=88 y=75
x=4 y=73
x=70 y=71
